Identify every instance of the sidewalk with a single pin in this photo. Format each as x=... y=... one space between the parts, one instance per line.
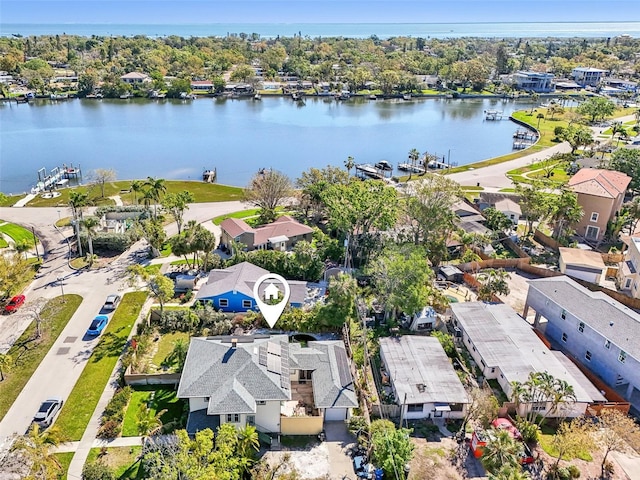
x=89 y=439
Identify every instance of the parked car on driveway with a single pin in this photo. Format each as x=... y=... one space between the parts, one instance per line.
x=14 y=304
x=97 y=325
x=47 y=412
x=111 y=302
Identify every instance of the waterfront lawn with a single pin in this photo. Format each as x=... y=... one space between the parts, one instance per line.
x=3 y=243
x=28 y=353
x=157 y=398
x=123 y=461
x=82 y=401
x=18 y=233
x=9 y=200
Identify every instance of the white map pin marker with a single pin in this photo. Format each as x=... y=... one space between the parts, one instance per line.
x=271 y=313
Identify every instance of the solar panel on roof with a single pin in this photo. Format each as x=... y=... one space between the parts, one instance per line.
x=343 y=367
x=262 y=355
x=285 y=381
x=273 y=364
x=274 y=348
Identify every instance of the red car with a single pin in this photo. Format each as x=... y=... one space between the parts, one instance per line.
x=14 y=304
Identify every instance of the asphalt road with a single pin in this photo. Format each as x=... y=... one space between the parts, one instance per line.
x=63 y=364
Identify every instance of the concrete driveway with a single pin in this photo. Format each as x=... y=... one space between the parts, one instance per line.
x=339 y=441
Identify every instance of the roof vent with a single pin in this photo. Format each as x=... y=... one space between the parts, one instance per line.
x=611 y=324
x=420 y=387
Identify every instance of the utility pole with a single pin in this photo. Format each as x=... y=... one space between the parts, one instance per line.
x=35 y=242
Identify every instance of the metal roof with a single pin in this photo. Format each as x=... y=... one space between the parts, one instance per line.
x=419 y=369
x=608 y=317
x=506 y=341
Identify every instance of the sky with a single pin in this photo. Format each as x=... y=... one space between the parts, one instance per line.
x=316 y=11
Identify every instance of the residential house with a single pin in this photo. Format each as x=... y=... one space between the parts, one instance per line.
x=596 y=330
x=583 y=264
x=502 y=202
x=231 y=289
x=202 y=85
x=506 y=349
x=423 y=380
x=135 y=78
x=628 y=279
x=533 y=81
x=621 y=84
x=587 y=76
x=424 y=320
x=600 y=194
x=282 y=234
x=265 y=381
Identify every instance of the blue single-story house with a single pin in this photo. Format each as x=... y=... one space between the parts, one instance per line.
x=231 y=289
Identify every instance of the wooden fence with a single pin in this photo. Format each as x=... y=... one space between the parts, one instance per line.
x=385 y=411
x=545 y=240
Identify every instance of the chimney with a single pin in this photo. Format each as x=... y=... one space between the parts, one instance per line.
x=234 y=343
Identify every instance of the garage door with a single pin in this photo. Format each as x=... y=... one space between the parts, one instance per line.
x=335 y=414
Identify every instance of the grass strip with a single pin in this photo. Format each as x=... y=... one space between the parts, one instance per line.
x=241 y=214
x=122 y=460
x=27 y=353
x=84 y=397
x=18 y=233
x=65 y=460
x=157 y=398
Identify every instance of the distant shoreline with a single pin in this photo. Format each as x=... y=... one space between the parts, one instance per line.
x=349 y=30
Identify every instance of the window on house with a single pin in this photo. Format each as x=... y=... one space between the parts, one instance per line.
x=229 y=418
x=261 y=402
x=246 y=303
x=594 y=217
x=223 y=302
x=581 y=327
x=483 y=364
x=607 y=344
x=588 y=355
x=627 y=283
x=564 y=315
x=493 y=369
x=592 y=232
x=622 y=357
x=415 y=407
x=251 y=420
x=564 y=337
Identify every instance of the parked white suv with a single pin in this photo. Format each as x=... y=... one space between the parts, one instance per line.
x=48 y=411
x=111 y=302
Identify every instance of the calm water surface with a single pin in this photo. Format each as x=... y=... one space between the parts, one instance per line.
x=178 y=139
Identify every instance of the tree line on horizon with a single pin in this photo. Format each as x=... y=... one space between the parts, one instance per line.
x=393 y=64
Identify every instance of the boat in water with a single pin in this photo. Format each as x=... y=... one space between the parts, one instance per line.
x=384 y=165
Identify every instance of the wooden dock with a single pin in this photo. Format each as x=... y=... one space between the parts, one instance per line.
x=368 y=170
x=493 y=114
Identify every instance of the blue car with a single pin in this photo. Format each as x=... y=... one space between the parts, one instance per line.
x=97 y=326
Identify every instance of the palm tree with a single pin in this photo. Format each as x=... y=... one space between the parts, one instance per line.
x=6 y=362
x=148 y=423
x=540 y=116
x=414 y=155
x=178 y=354
x=36 y=447
x=492 y=282
x=510 y=473
x=147 y=199
x=349 y=163
x=633 y=209
x=90 y=224
x=78 y=201
x=501 y=451
x=248 y=445
x=157 y=188
x=22 y=247
x=136 y=188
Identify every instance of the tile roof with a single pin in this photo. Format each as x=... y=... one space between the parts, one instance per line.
x=599 y=182
x=235 y=226
x=241 y=278
x=505 y=340
x=419 y=368
x=608 y=317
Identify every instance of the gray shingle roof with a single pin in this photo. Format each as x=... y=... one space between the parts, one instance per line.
x=231 y=377
x=596 y=309
x=234 y=379
x=420 y=369
x=332 y=382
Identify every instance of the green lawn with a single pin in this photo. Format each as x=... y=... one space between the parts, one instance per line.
x=241 y=214
x=3 y=243
x=123 y=460
x=165 y=346
x=545 y=440
x=82 y=401
x=28 y=355
x=158 y=398
x=18 y=233
x=203 y=192
x=65 y=460
x=153 y=269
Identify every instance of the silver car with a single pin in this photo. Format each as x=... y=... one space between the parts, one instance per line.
x=48 y=411
x=111 y=302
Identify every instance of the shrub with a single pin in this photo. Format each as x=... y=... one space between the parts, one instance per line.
x=118 y=402
x=529 y=430
x=574 y=471
x=97 y=471
x=110 y=429
x=116 y=242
